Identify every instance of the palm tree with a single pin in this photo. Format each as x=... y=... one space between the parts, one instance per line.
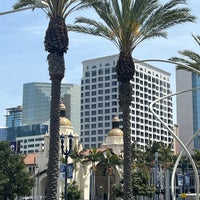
x=94 y=156
x=56 y=44
x=127 y=23
x=196 y=157
x=189 y=58
x=77 y=157
x=166 y=156
x=110 y=160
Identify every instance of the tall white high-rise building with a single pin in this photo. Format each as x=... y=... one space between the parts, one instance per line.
x=99 y=102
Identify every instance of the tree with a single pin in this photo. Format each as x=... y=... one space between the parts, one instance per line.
x=127 y=23
x=189 y=58
x=166 y=156
x=73 y=192
x=94 y=156
x=196 y=157
x=140 y=181
x=56 y=44
x=77 y=158
x=110 y=160
x=15 y=180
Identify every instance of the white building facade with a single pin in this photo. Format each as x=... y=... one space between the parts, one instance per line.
x=99 y=102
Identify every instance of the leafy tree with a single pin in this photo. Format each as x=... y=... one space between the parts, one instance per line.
x=196 y=157
x=15 y=180
x=110 y=161
x=94 y=157
x=127 y=23
x=141 y=179
x=73 y=192
x=166 y=156
x=77 y=158
x=140 y=182
x=56 y=44
x=189 y=58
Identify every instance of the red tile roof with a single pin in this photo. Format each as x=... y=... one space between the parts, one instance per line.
x=30 y=159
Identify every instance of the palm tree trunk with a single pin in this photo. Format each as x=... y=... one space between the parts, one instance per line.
x=56 y=71
x=125 y=97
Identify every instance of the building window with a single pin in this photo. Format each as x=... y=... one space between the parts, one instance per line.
x=100 y=111
x=107 y=104
x=87 y=87
x=94 y=106
x=94 y=73
x=107 y=71
x=107 y=78
x=100 y=72
x=100 y=105
x=87 y=94
x=107 y=124
x=93 y=132
x=100 y=85
x=93 y=125
x=94 y=86
x=94 y=93
x=94 y=112
x=100 y=138
x=94 y=99
x=107 y=84
x=100 y=79
x=93 y=119
x=100 y=92
x=87 y=100
x=107 y=111
x=107 y=91
x=87 y=126
x=87 y=74
x=87 y=80
x=100 y=118
x=100 y=125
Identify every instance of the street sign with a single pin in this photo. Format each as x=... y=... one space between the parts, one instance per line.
x=70 y=169
x=180 y=179
x=187 y=179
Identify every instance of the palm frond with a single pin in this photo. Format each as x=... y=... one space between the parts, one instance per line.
x=23 y=3
x=189 y=58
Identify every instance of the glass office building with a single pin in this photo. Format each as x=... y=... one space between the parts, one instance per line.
x=37 y=98
x=14 y=116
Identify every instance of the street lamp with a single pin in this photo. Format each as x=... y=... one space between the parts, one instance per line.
x=66 y=152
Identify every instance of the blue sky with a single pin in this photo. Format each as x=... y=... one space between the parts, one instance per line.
x=23 y=58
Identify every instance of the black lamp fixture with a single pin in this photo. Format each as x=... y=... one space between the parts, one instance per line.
x=66 y=152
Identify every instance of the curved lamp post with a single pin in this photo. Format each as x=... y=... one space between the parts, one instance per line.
x=66 y=152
